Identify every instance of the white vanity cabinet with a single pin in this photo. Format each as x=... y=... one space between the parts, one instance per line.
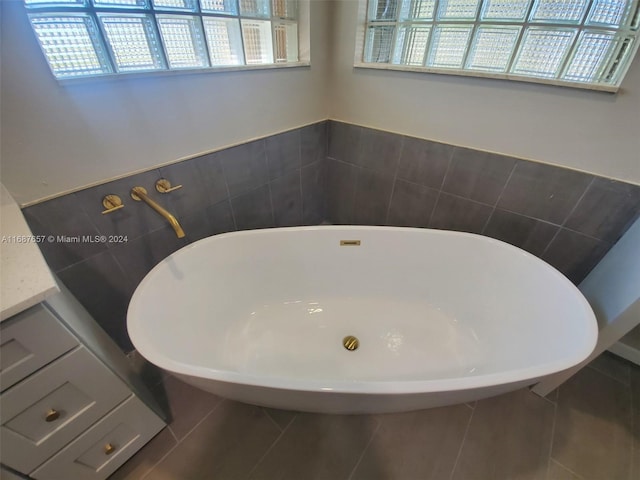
x=66 y=412
x=71 y=405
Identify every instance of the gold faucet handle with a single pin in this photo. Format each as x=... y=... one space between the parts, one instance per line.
x=111 y=203
x=164 y=186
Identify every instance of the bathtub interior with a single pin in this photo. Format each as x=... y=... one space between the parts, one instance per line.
x=425 y=305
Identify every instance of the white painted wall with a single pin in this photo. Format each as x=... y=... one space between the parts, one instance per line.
x=57 y=138
x=584 y=130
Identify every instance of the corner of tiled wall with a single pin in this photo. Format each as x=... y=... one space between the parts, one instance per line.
x=568 y=218
x=276 y=181
x=333 y=171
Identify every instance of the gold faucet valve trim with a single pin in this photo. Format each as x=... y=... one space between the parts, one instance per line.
x=164 y=186
x=111 y=203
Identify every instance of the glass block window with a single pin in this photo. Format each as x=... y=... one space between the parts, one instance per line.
x=224 y=41
x=58 y=3
x=132 y=41
x=457 y=9
x=418 y=10
x=229 y=7
x=186 y=5
x=492 y=48
x=449 y=46
x=81 y=38
x=505 y=10
x=121 y=3
x=543 y=51
x=183 y=41
x=258 y=46
x=285 y=42
x=411 y=44
x=580 y=43
x=70 y=43
x=254 y=8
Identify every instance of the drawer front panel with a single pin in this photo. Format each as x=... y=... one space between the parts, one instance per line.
x=106 y=446
x=49 y=409
x=57 y=408
x=30 y=340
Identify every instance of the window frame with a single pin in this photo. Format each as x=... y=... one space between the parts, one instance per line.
x=302 y=20
x=361 y=45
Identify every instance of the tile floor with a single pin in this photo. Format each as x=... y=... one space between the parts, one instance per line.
x=588 y=429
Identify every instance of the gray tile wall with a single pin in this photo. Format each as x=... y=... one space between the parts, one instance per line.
x=338 y=172
x=570 y=219
x=277 y=181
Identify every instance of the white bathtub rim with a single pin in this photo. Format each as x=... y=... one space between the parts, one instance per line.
x=148 y=350
x=353 y=228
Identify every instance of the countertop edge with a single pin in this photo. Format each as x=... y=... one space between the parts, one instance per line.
x=26 y=279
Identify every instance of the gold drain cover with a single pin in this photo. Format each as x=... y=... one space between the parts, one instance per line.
x=350 y=342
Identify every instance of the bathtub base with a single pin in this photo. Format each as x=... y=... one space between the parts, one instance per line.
x=345 y=403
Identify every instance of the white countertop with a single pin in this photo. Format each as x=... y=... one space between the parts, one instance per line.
x=25 y=278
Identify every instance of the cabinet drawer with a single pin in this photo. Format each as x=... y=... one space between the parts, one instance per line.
x=104 y=447
x=30 y=340
x=49 y=409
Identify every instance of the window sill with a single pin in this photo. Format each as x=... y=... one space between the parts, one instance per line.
x=499 y=76
x=186 y=71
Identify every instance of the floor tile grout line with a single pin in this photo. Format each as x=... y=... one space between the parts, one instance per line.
x=216 y=406
x=464 y=439
x=364 y=450
x=635 y=424
x=580 y=477
x=173 y=433
x=290 y=422
x=272 y=420
x=546 y=397
x=625 y=384
x=152 y=468
x=553 y=435
x=272 y=446
x=282 y=429
x=183 y=438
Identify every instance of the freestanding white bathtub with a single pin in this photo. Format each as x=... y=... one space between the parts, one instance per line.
x=441 y=317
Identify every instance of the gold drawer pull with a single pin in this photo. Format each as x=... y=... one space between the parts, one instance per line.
x=109 y=449
x=52 y=415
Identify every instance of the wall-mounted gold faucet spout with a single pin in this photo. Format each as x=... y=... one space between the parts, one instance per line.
x=140 y=194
